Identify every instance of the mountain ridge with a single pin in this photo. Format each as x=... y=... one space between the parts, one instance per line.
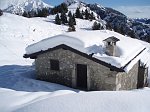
x=19 y=6
x=115 y=20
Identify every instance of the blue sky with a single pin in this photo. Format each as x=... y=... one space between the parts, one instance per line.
x=131 y=8
x=110 y=3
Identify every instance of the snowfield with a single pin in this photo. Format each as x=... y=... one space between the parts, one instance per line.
x=21 y=92
x=17 y=32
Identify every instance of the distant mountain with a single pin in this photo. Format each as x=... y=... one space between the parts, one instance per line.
x=112 y=19
x=69 y=2
x=121 y=23
x=19 y=6
x=143 y=20
x=115 y=20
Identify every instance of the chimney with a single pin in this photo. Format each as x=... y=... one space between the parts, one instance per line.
x=110 y=45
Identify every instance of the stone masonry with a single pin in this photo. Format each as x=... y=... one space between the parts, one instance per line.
x=99 y=77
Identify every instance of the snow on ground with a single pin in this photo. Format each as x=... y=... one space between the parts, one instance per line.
x=21 y=92
x=18 y=87
x=17 y=32
x=93 y=102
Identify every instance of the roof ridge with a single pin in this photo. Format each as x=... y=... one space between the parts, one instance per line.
x=63 y=46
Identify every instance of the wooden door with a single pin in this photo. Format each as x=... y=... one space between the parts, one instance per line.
x=82 y=76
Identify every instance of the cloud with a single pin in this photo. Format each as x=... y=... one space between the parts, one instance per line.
x=135 y=11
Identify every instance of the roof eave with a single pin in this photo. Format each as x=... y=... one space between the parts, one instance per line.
x=63 y=46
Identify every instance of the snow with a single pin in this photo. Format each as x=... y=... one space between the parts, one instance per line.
x=18 y=87
x=17 y=32
x=96 y=45
x=55 y=41
x=74 y=4
x=19 y=6
x=20 y=92
x=93 y=102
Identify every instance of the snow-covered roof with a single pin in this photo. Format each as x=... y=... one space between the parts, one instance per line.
x=92 y=42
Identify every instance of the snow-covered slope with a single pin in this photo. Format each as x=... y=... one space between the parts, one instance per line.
x=17 y=32
x=19 y=6
x=6 y=3
x=14 y=40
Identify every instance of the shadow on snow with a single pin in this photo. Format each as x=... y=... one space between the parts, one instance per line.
x=22 y=78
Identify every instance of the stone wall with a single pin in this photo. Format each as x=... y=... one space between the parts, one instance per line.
x=99 y=77
x=127 y=81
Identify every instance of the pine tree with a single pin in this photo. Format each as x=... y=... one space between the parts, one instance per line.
x=96 y=26
x=91 y=16
x=69 y=14
x=45 y=12
x=70 y=29
x=54 y=10
x=39 y=14
x=74 y=19
x=86 y=14
x=83 y=13
x=59 y=9
x=71 y=23
x=63 y=18
x=25 y=14
x=32 y=13
x=35 y=14
x=1 y=12
x=57 y=20
x=77 y=13
x=64 y=8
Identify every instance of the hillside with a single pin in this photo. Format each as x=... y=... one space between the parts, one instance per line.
x=20 y=91
x=121 y=23
x=113 y=19
x=29 y=30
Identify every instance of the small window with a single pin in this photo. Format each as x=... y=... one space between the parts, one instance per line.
x=54 y=64
x=109 y=43
x=111 y=69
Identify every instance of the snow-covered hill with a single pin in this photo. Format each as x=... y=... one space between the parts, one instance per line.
x=17 y=32
x=19 y=90
x=14 y=39
x=19 y=6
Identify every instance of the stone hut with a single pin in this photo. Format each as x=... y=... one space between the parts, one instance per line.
x=68 y=66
